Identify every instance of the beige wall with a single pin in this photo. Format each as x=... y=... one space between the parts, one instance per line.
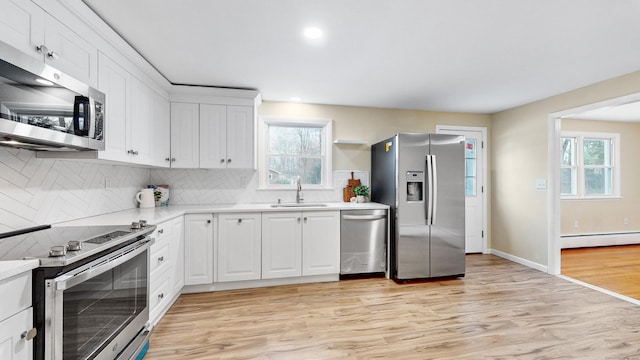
x=607 y=216
x=518 y=148
x=369 y=125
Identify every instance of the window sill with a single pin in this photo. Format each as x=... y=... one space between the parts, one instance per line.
x=591 y=198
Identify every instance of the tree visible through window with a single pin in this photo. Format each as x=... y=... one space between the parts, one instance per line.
x=296 y=147
x=589 y=167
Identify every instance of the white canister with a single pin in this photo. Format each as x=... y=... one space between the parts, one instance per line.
x=145 y=198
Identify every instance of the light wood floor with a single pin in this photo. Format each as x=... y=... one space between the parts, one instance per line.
x=500 y=310
x=615 y=268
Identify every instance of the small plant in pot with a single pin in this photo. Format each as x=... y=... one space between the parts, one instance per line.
x=362 y=192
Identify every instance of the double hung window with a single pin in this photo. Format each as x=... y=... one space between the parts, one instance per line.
x=590 y=165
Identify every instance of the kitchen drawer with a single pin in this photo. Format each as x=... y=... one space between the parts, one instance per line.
x=160 y=257
x=162 y=232
x=161 y=292
x=19 y=286
x=12 y=345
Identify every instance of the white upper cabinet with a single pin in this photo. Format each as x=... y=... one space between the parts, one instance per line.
x=28 y=28
x=213 y=136
x=213 y=128
x=115 y=82
x=161 y=132
x=240 y=137
x=185 y=140
x=137 y=125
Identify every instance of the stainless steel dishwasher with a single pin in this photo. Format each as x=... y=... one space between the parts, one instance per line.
x=363 y=242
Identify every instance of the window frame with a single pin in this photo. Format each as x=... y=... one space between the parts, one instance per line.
x=580 y=166
x=327 y=136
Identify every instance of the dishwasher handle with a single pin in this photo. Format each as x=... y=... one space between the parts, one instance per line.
x=364 y=217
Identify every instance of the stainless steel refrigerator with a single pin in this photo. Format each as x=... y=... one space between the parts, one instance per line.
x=421 y=177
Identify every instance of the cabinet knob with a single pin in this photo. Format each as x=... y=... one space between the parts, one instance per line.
x=208 y=221
x=161 y=258
x=228 y=160
x=161 y=231
x=53 y=55
x=167 y=159
x=41 y=49
x=305 y=219
x=135 y=152
x=161 y=296
x=298 y=219
x=173 y=159
x=29 y=334
x=221 y=161
x=239 y=221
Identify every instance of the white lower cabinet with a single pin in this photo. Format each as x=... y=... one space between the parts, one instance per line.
x=281 y=244
x=300 y=243
x=320 y=242
x=239 y=246
x=16 y=318
x=166 y=266
x=198 y=249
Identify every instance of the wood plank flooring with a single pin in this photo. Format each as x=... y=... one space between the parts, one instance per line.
x=615 y=268
x=500 y=310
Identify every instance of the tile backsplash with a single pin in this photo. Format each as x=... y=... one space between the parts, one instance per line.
x=36 y=191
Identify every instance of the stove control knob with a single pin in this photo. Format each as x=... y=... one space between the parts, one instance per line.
x=135 y=225
x=143 y=223
x=58 y=250
x=74 y=245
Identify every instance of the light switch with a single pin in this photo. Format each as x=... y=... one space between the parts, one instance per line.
x=541 y=184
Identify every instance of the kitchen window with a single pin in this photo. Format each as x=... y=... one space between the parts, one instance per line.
x=590 y=165
x=293 y=147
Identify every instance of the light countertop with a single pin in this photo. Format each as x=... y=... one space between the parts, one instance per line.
x=160 y=214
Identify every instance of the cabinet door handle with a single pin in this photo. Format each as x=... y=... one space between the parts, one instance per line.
x=221 y=161
x=228 y=160
x=161 y=258
x=173 y=159
x=29 y=334
x=305 y=219
x=298 y=220
x=208 y=221
x=239 y=221
x=161 y=296
x=41 y=49
x=161 y=231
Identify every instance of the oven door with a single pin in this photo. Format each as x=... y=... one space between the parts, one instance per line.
x=95 y=311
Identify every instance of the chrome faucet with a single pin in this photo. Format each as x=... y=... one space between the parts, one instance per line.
x=299 y=198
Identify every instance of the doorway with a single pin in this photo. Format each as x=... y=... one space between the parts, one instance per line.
x=620 y=110
x=475 y=184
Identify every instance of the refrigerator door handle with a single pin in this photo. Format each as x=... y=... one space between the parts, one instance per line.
x=429 y=202
x=434 y=202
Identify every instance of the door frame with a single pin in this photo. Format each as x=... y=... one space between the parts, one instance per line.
x=483 y=174
x=554 y=241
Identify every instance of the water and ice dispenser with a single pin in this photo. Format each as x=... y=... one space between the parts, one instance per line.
x=415 y=186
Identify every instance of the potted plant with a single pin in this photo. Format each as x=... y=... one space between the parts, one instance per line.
x=362 y=192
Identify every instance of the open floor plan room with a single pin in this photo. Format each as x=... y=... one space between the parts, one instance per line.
x=500 y=309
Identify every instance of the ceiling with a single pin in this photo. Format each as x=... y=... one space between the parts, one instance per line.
x=479 y=56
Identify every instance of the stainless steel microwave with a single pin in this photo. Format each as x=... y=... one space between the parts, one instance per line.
x=42 y=108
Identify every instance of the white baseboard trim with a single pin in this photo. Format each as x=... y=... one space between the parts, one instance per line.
x=519 y=260
x=593 y=240
x=608 y=292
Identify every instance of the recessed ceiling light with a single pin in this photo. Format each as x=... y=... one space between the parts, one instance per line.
x=44 y=82
x=312 y=33
x=296 y=99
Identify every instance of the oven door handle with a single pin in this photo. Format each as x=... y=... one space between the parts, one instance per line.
x=100 y=266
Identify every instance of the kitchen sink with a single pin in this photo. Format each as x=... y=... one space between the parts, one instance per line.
x=299 y=205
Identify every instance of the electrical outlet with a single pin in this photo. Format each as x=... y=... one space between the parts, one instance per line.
x=107 y=183
x=541 y=184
